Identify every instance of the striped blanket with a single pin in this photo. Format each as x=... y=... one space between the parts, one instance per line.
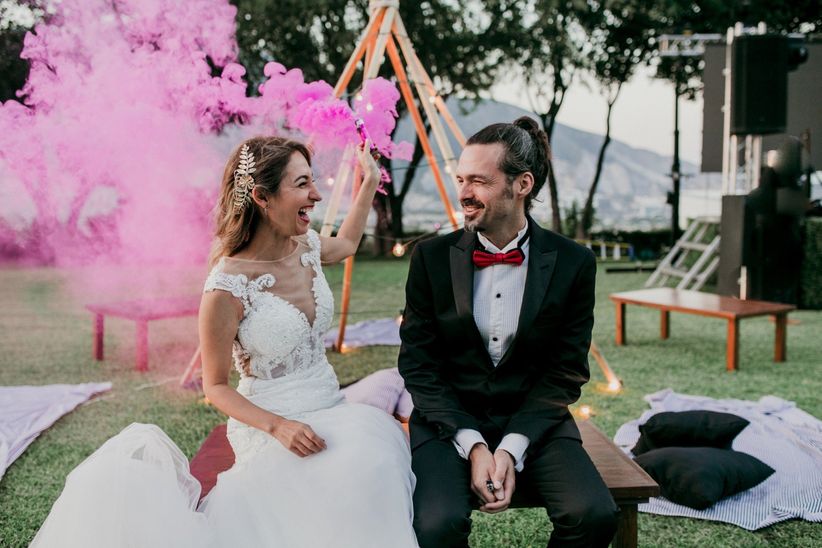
x=780 y=434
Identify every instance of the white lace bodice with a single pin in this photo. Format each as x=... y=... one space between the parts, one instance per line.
x=278 y=352
x=275 y=338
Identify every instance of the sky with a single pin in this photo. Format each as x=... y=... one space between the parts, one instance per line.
x=643 y=116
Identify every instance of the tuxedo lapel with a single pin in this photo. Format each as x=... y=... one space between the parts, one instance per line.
x=462 y=284
x=542 y=258
x=462 y=275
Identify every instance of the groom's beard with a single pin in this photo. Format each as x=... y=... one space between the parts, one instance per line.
x=473 y=226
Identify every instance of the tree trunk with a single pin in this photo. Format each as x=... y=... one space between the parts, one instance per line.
x=397 y=196
x=586 y=220
x=556 y=216
x=382 y=234
x=548 y=120
x=397 y=230
x=556 y=104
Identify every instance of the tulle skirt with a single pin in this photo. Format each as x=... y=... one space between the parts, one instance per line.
x=136 y=490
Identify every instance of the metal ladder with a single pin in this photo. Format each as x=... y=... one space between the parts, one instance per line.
x=696 y=239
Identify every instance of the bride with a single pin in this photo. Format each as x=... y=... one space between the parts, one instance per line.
x=310 y=469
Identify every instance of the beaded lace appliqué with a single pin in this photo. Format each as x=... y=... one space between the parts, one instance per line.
x=275 y=338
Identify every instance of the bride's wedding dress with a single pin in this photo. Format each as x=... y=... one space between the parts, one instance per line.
x=136 y=490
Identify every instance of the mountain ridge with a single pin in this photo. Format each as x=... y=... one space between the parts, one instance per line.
x=631 y=191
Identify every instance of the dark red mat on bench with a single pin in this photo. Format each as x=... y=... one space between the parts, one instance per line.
x=214 y=456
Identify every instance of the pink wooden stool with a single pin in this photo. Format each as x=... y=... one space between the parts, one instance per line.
x=141 y=312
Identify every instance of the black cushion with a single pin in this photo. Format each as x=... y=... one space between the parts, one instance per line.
x=697 y=428
x=699 y=476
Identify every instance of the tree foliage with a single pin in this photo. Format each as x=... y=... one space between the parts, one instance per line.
x=13 y=70
x=455 y=40
x=317 y=36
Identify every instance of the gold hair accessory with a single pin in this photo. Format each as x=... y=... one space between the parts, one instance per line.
x=243 y=181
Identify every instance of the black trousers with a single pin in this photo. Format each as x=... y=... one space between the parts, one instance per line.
x=558 y=475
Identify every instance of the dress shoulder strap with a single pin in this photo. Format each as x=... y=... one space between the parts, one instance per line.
x=313 y=255
x=232 y=283
x=236 y=284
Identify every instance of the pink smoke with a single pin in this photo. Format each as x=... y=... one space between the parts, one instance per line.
x=115 y=152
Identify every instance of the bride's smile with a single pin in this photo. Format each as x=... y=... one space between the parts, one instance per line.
x=289 y=208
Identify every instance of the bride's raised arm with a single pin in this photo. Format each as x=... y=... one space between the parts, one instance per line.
x=347 y=240
x=220 y=315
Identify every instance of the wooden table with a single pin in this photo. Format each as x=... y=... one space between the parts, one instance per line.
x=629 y=484
x=733 y=310
x=141 y=312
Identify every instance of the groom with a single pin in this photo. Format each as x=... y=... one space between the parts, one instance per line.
x=495 y=340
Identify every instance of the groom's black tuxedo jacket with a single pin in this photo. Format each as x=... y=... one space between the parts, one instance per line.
x=446 y=365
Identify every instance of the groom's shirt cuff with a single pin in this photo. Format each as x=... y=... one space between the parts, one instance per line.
x=465 y=439
x=515 y=444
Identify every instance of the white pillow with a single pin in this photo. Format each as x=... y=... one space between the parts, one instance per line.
x=404 y=405
x=381 y=389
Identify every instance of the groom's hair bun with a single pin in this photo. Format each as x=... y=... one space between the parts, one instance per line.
x=526 y=149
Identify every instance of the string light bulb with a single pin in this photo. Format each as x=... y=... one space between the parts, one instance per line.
x=614 y=385
x=359 y=97
x=369 y=107
x=398 y=250
x=585 y=412
x=330 y=181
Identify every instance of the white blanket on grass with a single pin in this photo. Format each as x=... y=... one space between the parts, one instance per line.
x=384 y=331
x=25 y=411
x=780 y=434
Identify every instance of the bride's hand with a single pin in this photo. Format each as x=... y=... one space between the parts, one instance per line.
x=370 y=169
x=298 y=437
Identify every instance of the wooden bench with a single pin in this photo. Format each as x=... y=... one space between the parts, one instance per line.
x=140 y=311
x=628 y=483
x=731 y=309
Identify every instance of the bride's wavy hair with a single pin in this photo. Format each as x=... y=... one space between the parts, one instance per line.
x=236 y=227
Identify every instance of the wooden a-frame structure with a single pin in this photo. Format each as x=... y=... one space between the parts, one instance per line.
x=386 y=34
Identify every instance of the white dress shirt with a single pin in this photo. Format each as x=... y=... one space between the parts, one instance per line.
x=498 y=292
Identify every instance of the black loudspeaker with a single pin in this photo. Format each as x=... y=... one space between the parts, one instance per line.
x=756 y=234
x=759 y=84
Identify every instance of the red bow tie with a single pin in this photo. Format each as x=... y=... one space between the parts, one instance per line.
x=484 y=258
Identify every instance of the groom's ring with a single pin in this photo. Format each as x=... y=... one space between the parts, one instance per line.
x=490 y=486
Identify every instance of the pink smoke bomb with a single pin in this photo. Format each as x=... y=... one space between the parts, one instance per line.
x=363 y=133
x=375 y=153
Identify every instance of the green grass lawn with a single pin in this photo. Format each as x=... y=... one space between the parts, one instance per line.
x=45 y=336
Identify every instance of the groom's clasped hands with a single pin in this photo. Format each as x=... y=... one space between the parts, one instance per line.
x=492 y=469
